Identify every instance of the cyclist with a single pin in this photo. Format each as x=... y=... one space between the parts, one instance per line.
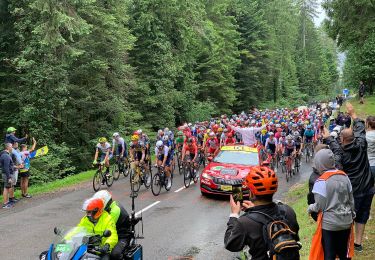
x=191 y=150
x=137 y=151
x=121 y=149
x=170 y=144
x=271 y=144
x=121 y=218
x=146 y=142
x=308 y=135
x=104 y=148
x=212 y=144
x=290 y=148
x=97 y=221
x=163 y=159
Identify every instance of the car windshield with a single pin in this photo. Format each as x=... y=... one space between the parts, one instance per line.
x=243 y=158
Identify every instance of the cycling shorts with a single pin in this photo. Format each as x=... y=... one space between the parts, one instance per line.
x=119 y=150
x=271 y=148
x=309 y=139
x=167 y=162
x=102 y=156
x=288 y=152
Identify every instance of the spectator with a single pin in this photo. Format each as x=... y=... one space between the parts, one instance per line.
x=351 y=157
x=248 y=132
x=7 y=170
x=361 y=91
x=244 y=230
x=370 y=138
x=313 y=177
x=334 y=202
x=17 y=162
x=11 y=138
x=25 y=171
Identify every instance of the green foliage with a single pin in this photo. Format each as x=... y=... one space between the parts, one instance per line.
x=74 y=70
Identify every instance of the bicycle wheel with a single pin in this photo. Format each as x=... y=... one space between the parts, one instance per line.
x=156 y=184
x=147 y=179
x=135 y=182
x=97 y=180
x=187 y=176
x=109 y=179
x=116 y=171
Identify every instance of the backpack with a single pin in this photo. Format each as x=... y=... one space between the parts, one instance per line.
x=281 y=242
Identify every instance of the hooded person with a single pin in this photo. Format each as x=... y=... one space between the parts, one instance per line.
x=334 y=202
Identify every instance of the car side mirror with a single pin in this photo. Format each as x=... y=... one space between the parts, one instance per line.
x=57 y=231
x=209 y=158
x=107 y=233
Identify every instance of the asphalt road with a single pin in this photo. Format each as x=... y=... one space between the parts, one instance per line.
x=179 y=224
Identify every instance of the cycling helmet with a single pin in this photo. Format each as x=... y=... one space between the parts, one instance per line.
x=159 y=144
x=211 y=134
x=294 y=125
x=102 y=140
x=11 y=130
x=135 y=137
x=278 y=125
x=289 y=137
x=139 y=131
x=180 y=133
x=165 y=138
x=104 y=195
x=94 y=208
x=296 y=133
x=220 y=130
x=215 y=127
x=116 y=135
x=309 y=127
x=271 y=133
x=261 y=181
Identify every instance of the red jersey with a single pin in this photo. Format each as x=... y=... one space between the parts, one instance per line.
x=212 y=143
x=193 y=149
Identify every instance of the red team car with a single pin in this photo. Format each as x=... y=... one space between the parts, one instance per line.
x=227 y=169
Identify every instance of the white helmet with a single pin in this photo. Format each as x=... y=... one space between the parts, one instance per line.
x=104 y=195
x=116 y=135
x=139 y=131
x=159 y=144
x=165 y=138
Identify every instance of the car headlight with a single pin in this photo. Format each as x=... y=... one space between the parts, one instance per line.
x=206 y=176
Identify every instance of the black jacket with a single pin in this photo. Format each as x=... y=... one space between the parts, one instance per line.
x=352 y=159
x=123 y=225
x=310 y=196
x=6 y=164
x=245 y=231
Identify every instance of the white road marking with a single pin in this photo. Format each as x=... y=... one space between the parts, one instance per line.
x=180 y=189
x=146 y=208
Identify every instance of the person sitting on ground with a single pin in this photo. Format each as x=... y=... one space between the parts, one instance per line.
x=7 y=170
x=334 y=202
x=121 y=218
x=351 y=157
x=245 y=230
x=26 y=156
x=11 y=138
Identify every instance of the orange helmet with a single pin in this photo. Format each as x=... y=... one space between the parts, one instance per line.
x=94 y=208
x=261 y=181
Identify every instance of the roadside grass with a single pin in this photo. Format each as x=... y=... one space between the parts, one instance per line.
x=296 y=198
x=57 y=185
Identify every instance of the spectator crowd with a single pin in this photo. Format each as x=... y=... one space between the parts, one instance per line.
x=14 y=165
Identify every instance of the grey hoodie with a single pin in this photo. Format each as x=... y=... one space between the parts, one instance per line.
x=370 y=137
x=334 y=196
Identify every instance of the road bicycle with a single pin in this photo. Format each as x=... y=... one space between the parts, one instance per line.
x=309 y=153
x=159 y=180
x=121 y=165
x=190 y=172
x=297 y=163
x=101 y=177
x=288 y=166
x=138 y=176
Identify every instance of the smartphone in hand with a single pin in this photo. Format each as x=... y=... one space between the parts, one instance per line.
x=237 y=194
